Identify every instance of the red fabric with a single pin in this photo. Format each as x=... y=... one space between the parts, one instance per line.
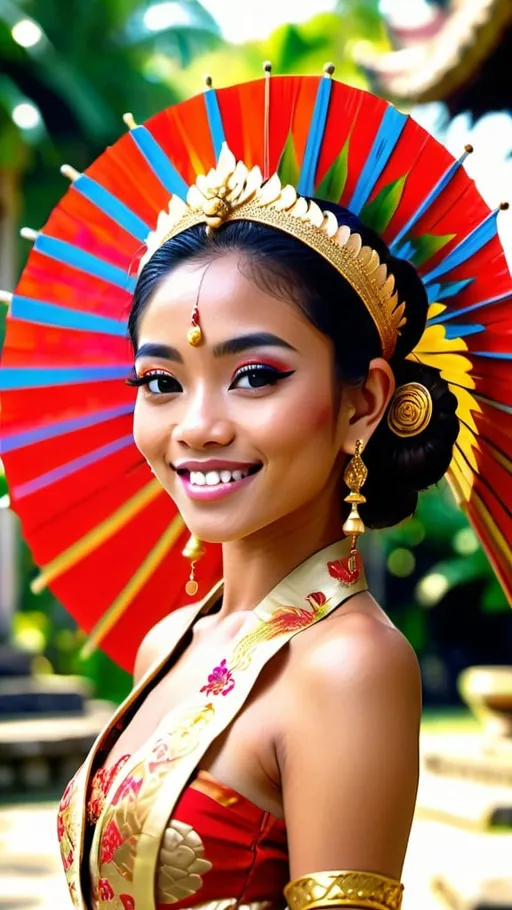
x=246 y=846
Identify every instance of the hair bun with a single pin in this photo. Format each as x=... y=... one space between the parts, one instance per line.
x=400 y=466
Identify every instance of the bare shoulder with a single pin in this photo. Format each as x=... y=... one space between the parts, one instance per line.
x=359 y=653
x=158 y=640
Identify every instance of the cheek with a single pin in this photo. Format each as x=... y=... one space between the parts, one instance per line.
x=148 y=429
x=316 y=414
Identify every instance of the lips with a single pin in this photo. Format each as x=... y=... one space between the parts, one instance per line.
x=214 y=479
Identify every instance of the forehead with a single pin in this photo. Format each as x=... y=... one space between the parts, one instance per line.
x=226 y=296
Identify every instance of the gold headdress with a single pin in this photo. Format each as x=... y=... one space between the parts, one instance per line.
x=231 y=192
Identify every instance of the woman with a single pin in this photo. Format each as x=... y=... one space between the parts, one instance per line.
x=271 y=739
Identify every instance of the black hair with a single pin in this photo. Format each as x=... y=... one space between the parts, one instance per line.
x=398 y=468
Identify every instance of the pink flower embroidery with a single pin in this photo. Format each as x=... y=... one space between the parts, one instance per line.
x=128 y=789
x=160 y=751
x=60 y=827
x=110 y=842
x=105 y=889
x=316 y=600
x=127 y=901
x=67 y=860
x=347 y=570
x=220 y=680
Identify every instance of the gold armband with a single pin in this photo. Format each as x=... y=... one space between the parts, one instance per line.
x=344 y=889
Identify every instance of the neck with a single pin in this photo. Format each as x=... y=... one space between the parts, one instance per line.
x=257 y=563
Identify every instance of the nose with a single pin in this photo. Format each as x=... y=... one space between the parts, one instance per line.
x=204 y=423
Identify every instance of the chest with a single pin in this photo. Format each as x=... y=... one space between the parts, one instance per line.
x=243 y=755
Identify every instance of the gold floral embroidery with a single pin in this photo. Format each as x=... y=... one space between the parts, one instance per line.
x=67 y=832
x=284 y=620
x=181 y=863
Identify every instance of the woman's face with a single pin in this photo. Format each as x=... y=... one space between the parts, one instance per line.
x=247 y=429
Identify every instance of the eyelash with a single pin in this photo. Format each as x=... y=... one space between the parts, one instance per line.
x=273 y=377
x=150 y=376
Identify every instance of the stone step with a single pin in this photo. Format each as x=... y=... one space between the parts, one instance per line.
x=40 y=754
x=35 y=695
x=468 y=870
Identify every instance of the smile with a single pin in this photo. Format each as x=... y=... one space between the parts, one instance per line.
x=214 y=483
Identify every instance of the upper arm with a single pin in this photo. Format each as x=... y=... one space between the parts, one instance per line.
x=349 y=761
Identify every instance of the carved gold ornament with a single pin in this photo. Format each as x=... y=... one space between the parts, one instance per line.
x=344 y=889
x=410 y=410
x=231 y=192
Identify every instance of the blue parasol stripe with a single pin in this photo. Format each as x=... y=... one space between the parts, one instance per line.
x=461 y=331
x=62 y=317
x=214 y=120
x=476 y=239
x=441 y=290
x=306 y=184
x=493 y=355
x=85 y=262
x=53 y=430
x=494 y=404
x=159 y=162
x=434 y=194
x=404 y=250
x=451 y=288
x=111 y=206
x=384 y=143
x=43 y=377
x=453 y=314
x=71 y=467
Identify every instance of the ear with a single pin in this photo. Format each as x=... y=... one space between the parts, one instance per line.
x=367 y=404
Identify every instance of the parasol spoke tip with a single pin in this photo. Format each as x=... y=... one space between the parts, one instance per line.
x=129 y=119
x=29 y=234
x=70 y=172
x=6 y=297
x=37 y=585
x=88 y=649
x=504 y=206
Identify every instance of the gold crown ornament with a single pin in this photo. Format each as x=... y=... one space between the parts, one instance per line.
x=232 y=192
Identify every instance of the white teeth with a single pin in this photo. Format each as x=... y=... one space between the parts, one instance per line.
x=214 y=478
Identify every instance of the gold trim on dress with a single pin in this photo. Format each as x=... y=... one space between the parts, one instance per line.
x=221 y=793
x=347 y=888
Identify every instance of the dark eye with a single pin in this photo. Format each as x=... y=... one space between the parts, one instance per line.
x=158 y=383
x=257 y=376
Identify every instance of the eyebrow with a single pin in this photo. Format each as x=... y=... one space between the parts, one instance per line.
x=222 y=349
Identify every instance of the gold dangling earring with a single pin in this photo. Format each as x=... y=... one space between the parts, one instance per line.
x=193 y=550
x=354 y=476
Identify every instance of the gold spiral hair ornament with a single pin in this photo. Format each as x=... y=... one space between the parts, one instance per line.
x=410 y=411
